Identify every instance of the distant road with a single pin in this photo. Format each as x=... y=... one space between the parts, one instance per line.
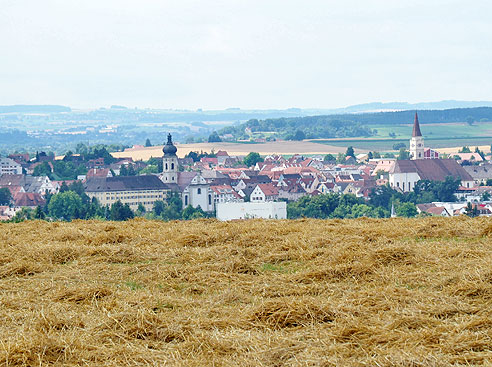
x=239 y=149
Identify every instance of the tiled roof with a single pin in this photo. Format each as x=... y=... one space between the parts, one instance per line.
x=268 y=189
x=432 y=169
x=30 y=199
x=124 y=183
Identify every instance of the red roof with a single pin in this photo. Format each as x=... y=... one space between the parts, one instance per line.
x=222 y=153
x=101 y=172
x=209 y=160
x=268 y=189
x=31 y=199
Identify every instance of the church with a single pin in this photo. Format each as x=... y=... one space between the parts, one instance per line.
x=424 y=164
x=193 y=189
x=417 y=150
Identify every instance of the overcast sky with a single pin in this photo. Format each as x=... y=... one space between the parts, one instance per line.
x=248 y=54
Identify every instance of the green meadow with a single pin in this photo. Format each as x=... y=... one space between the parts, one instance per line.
x=443 y=135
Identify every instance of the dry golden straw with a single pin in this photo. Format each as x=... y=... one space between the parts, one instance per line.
x=366 y=292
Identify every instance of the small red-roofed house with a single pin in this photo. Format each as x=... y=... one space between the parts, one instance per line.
x=263 y=193
x=28 y=199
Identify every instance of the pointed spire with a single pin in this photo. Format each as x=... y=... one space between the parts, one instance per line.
x=416 y=126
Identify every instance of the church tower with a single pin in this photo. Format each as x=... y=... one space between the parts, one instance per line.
x=416 y=141
x=170 y=162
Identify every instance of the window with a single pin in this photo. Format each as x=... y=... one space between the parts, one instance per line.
x=186 y=200
x=166 y=167
x=199 y=192
x=209 y=199
x=172 y=165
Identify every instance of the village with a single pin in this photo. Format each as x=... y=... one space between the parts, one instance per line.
x=233 y=187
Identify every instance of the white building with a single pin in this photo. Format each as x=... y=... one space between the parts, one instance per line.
x=268 y=210
x=196 y=191
x=263 y=193
x=9 y=167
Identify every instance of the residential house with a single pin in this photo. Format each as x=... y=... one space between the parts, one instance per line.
x=9 y=167
x=480 y=174
x=28 y=200
x=225 y=194
x=433 y=209
x=263 y=193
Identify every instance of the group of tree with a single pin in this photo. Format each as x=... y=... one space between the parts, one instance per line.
x=5 y=196
x=379 y=205
x=300 y=128
x=214 y=138
x=334 y=206
x=196 y=156
x=73 y=203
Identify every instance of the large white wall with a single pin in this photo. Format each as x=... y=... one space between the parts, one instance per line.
x=268 y=210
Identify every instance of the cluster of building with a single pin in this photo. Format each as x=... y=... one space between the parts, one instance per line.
x=233 y=190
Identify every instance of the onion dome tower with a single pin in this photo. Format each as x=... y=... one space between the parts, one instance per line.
x=169 y=162
x=416 y=141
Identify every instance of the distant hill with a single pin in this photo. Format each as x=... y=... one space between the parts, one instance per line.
x=385 y=106
x=351 y=125
x=34 y=109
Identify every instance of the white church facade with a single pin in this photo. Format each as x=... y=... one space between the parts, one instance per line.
x=194 y=190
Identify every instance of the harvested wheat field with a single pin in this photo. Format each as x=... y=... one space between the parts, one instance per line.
x=366 y=292
x=237 y=149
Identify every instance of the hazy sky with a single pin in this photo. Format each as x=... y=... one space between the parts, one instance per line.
x=248 y=54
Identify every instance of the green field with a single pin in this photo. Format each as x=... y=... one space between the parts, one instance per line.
x=435 y=136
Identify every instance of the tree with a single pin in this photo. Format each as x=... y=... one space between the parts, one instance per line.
x=148 y=143
x=131 y=170
x=470 y=120
x=382 y=196
x=488 y=182
x=299 y=135
x=141 y=209
x=193 y=213
x=329 y=158
x=485 y=196
x=471 y=210
x=397 y=146
x=66 y=205
x=214 y=138
x=403 y=154
x=123 y=170
x=120 y=212
x=340 y=158
x=158 y=207
x=408 y=210
x=465 y=149
x=5 y=196
x=370 y=155
x=252 y=158
x=43 y=169
x=480 y=153
x=39 y=213
x=350 y=152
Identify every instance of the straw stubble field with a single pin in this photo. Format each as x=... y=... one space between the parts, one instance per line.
x=366 y=292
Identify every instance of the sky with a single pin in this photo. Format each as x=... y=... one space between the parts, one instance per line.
x=215 y=54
